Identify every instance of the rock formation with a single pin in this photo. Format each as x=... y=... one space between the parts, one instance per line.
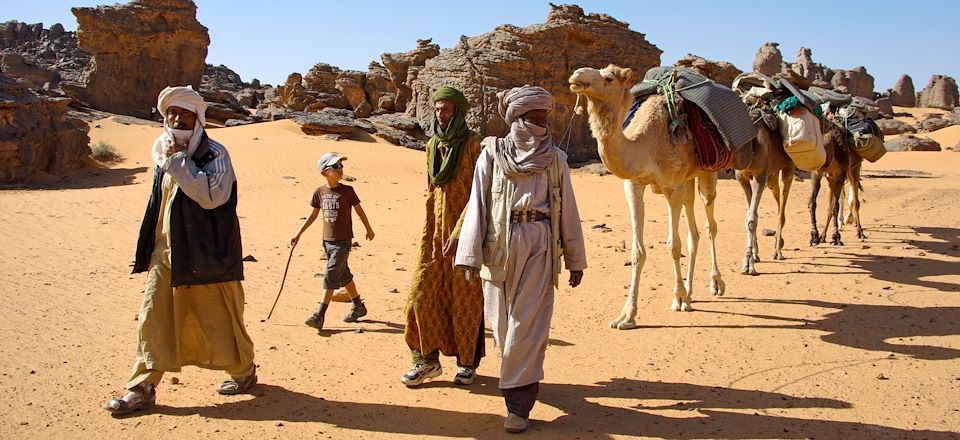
x=856 y=82
x=894 y=126
x=36 y=134
x=542 y=54
x=940 y=92
x=137 y=49
x=902 y=94
x=720 y=71
x=404 y=68
x=43 y=57
x=769 y=60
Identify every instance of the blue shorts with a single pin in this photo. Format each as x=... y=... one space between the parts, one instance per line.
x=338 y=272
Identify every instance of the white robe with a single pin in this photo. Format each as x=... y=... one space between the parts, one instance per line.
x=519 y=309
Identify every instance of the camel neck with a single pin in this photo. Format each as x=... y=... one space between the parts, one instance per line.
x=614 y=147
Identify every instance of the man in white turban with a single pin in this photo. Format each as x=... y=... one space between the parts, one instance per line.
x=520 y=219
x=189 y=245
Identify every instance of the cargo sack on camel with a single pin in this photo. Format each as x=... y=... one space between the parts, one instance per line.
x=802 y=134
x=714 y=114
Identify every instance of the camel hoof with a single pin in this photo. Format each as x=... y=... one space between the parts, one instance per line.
x=686 y=307
x=626 y=325
x=675 y=306
x=718 y=287
x=779 y=256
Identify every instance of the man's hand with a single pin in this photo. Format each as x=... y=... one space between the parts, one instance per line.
x=450 y=248
x=469 y=273
x=175 y=148
x=294 y=240
x=370 y=234
x=575 y=277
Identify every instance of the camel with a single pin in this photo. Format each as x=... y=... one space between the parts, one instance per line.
x=843 y=164
x=770 y=167
x=642 y=155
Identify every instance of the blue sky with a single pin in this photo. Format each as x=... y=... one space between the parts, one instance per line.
x=268 y=40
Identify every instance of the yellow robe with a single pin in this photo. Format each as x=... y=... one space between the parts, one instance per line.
x=198 y=325
x=444 y=311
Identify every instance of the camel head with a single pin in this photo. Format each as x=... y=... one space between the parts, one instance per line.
x=610 y=85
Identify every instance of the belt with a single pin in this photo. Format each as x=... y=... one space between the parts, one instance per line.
x=528 y=216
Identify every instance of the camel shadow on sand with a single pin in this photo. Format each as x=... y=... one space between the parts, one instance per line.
x=618 y=407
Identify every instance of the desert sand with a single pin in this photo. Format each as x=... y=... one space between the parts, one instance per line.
x=853 y=341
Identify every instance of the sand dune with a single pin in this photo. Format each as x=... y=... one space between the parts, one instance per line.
x=854 y=341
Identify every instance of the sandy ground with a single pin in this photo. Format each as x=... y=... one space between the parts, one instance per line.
x=853 y=341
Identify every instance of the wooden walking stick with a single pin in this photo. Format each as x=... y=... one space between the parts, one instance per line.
x=284 y=280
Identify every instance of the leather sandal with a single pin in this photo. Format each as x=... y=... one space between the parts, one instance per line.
x=138 y=398
x=238 y=386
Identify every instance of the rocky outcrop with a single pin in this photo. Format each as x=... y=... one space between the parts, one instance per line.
x=856 y=82
x=542 y=54
x=912 y=143
x=43 y=57
x=902 y=94
x=804 y=66
x=940 y=92
x=769 y=60
x=720 y=71
x=380 y=90
x=36 y=134
x=399 y=129
x=137 y=49
x=404 y=68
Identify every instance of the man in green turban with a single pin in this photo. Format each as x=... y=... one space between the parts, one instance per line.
x=444 y=312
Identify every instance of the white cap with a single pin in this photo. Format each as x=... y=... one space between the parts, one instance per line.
x=329 y=159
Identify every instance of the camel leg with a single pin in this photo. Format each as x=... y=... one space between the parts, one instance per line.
x=812 y=206
x=675 y=197
x=781 y=192
x=854 y=180
x=836 y=186
x=748 y=259
x=638 y=255
x=693 y=233
x=708 y=193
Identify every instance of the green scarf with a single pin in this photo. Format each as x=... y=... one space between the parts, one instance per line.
x=450 y=139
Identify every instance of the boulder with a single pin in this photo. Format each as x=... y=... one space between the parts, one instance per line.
x=137 y=49
x=885 y=106
x=910 y=142
x=721 y=72
x=940 y=92
x=399 y=129
x=543 y=54
x=934 y=124
x=326 y=121
x=399 y=66
x=894 y=126
x=769 y=60
x=36 y=133
x=902 y=94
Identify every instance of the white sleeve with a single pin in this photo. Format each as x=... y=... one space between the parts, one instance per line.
x=210 y=187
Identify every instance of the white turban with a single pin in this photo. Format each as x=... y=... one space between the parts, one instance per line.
x=519 y=100
x=528 y=148
x=186 y=98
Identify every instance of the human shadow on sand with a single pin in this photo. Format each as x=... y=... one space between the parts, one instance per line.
x=619 y=407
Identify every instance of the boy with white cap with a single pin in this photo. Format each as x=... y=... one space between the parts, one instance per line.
x=335 y=200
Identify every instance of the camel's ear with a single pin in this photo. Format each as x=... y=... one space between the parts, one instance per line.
x=625 y=74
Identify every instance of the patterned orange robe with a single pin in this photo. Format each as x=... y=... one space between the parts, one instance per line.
x=444 y=311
